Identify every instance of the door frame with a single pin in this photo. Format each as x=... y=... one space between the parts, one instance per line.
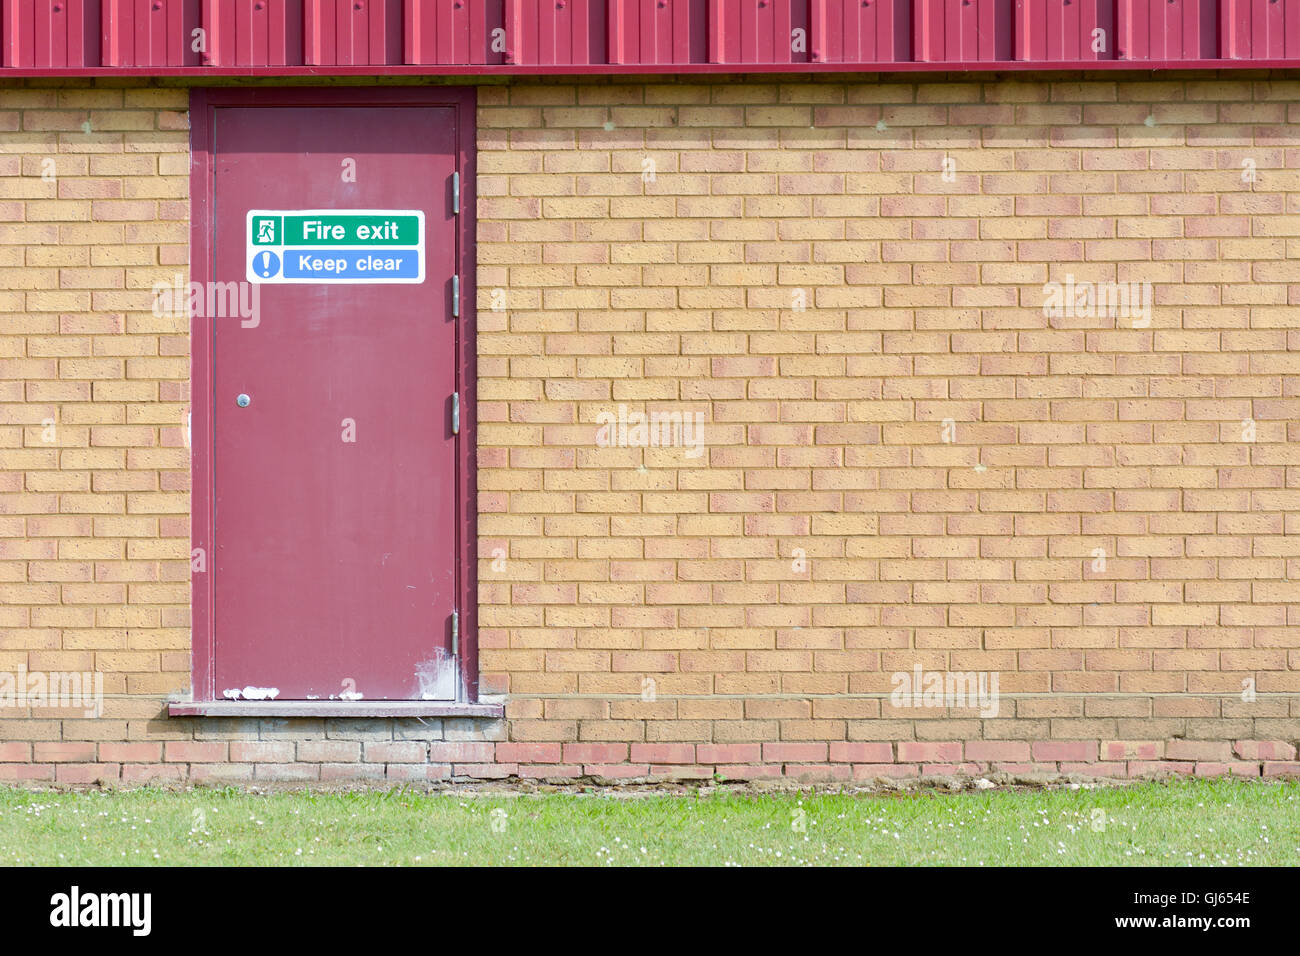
x=203 y=105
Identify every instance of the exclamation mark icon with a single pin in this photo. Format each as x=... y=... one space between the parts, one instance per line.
x=266 y=264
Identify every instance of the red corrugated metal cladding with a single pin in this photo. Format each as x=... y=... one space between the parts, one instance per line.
x=865 y=31
x=1166 y=29
x=455 y=31
x=962 y=30
x=151 y=33
x=758 y=31
x=658 y=31
x=352 y=32
x=622 y=35
x=253 y=32
x=51 y=33
x=1078 y=31
x=552 y=32
x=1260 y=29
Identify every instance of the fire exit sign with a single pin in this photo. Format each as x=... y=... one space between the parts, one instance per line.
x=332 y=246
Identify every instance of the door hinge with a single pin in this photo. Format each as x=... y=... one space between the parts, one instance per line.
x=455 y=295
x=455 y=413
x=455 y=633
x=455 y=194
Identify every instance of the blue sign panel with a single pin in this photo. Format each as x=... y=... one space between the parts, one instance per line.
x=376 y=265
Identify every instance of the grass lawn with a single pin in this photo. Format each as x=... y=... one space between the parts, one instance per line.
x=1201 y=823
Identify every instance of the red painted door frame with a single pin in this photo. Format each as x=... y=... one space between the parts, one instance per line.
x=203 y=104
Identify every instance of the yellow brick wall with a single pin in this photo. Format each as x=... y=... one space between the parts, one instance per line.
x=600 y=285
x=94 y=472
x=916 y=467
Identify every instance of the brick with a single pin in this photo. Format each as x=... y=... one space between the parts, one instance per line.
x=842 y=752
x=1235 y=768
x=262 y=751
x=406 y=751
x=151 y=773
x=997 y=750
x=125 y=753
x=1281 y=768
x=15 y=752
x=350 y=772
x=1132 y=749
x=1267 y=750
x=795 y=752
x=916 y=752
x=1065 y=750
x=594 y=753
x=550 y=771
x=195 y=752
x=63 y=752
x=1198 y=750
x=729 y=753
x=663 y=753
x=328 y=751
x=462 y=752
x=529 y=752
x=87 y=773
x=621 y=771
x=286 y=772
x=1157 y=768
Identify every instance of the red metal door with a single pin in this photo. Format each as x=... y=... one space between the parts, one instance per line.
x=334 y=483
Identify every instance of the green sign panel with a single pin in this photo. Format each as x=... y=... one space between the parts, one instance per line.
x=335 y=229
